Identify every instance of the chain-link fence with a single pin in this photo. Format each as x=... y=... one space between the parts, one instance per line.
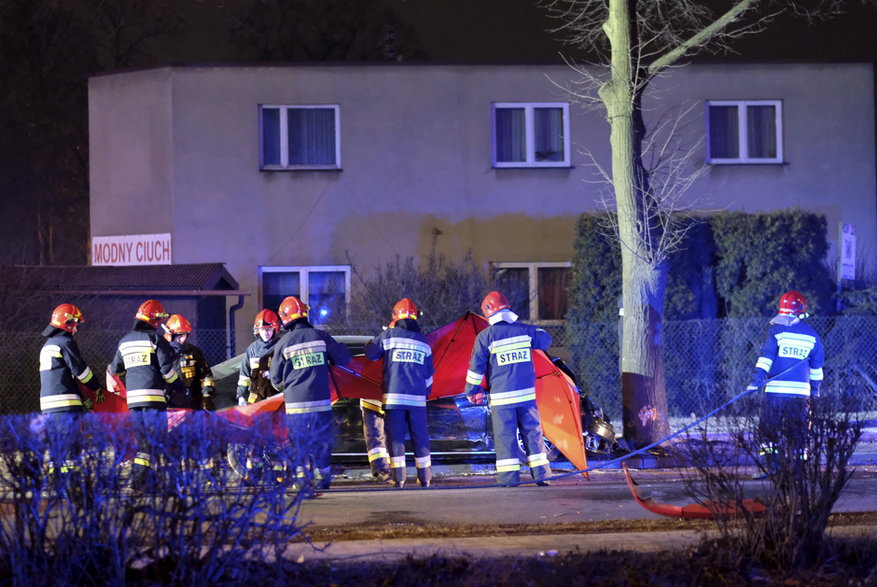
x=20 y=364
x=707 y=362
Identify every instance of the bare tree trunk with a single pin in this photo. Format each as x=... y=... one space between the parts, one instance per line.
x=643 y=392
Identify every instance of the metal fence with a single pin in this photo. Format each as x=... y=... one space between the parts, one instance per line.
x=707 y=362
x=19 y=361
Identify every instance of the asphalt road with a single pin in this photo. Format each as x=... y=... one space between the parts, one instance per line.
x=468 y=500
x=472 y=500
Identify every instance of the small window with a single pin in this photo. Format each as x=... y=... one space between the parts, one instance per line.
x=325 y=289
x=536 y=291
x=531 y=134
x=748 y=131
x=299 y=137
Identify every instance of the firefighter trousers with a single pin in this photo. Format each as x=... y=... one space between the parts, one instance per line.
x=311 y=436
x=150 y=437
x=507 y=421
x=409 y=420
x=375 y=442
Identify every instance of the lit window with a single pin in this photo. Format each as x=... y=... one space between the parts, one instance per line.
x=536 y=291
x=747 y=131
x=299 y=137
x=531 y=134
x=325 y=289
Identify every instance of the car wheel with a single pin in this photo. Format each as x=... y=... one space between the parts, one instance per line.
x=551 y=451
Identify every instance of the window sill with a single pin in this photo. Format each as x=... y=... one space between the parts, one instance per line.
x=297 y=169
x=748 y=162
x=504 y=167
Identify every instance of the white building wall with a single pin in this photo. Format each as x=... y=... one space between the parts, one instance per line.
x=177 y=150
x=131 y=159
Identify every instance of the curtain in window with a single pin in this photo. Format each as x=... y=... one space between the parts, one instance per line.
x=271 y=136
x=277 y=285
x=548 y=134
x=724 y=132
x=514 y=283
x=311 y=136
x=554 y=285
x=761 y=130
x=326 y=296
x=510 y=139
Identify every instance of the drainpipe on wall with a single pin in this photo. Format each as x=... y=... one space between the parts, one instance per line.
x=230 y=337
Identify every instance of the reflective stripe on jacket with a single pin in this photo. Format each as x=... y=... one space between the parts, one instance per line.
x=407 y=368
x=503 y=354
x=61 y=365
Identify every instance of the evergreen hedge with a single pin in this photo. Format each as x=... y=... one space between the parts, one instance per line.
x=729 y=265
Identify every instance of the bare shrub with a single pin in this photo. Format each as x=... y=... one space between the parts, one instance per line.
x=443 y=290
x=800 y=476
x=80 y=524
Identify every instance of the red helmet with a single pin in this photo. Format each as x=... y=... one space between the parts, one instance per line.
x=292 y=308
x=792 y=303
x=265 y=318
x=493 y=303
x=66 y=317
x=176 y=324
x=405 y=308
x=151 y=311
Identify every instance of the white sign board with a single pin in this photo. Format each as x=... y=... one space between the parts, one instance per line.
x=847 y=251
x=131 y=249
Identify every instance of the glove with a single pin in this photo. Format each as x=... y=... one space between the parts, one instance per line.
x=99 y=396
x=208 y=391
x=751 y=388
x=242 y=401
x=88 y=405
x=476 y=398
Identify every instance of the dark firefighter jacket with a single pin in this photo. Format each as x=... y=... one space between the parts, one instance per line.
x=300 y=367
x=407 y=367
x=195 y=373
x=792 y=356
x=60 y=365
x=503 y=353
x=252 y=384
x=147 y=362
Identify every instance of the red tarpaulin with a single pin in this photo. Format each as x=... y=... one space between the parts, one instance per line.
x=556 y=395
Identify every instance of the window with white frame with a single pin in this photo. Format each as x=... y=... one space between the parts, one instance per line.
x=530 y=134
x=325 y=288
x=744 y=131
x=299 y=137
x=536 y=291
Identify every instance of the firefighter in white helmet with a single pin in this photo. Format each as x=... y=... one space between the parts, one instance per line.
x=503 y=351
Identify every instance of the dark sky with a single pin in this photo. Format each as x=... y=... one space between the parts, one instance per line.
x=519 y=31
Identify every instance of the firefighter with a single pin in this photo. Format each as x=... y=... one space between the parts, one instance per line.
x=503 y=353
x=254 y=385
x=407 y=381
x=191 y=365
x=146 y=361
x=300 y=367
x=789 y=367
x=253 y=382
x=373 y=432
x=61 y=366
